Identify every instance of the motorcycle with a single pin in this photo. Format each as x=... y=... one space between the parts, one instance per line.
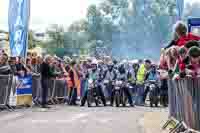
x=130 y=87
x=118 y=92
x=92 y=96
x=119 y=95
x=153 y=92
x=108 y=85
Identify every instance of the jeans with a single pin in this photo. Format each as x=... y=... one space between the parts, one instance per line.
x=73 y=96
x=109 y=89
x=83 y=86
x=44 y=83
x=147 y=89
x=139 y=94
x=133 y=92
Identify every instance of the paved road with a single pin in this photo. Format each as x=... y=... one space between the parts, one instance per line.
x=62 y=119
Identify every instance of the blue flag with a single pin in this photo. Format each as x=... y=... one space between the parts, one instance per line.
x=18 y=20
x=180 y=8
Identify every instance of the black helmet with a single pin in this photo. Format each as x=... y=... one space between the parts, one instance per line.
x=147 y=61
x=115 y=62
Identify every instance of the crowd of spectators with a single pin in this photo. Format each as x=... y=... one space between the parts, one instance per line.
x=47 y=67
x=182 y=56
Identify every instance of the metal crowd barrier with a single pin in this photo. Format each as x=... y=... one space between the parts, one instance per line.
x=184 y=101
x=6 y=84
x=36 y=88
x=57 y=89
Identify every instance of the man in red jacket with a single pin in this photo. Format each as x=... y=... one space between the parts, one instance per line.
x=183 y=36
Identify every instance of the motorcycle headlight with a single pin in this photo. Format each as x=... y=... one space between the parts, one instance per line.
x=90 y=81
x=106 y=81
x=118 y=82
x=152 y=86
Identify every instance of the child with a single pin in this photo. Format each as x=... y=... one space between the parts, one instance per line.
x=194 y=68
x=183 y=60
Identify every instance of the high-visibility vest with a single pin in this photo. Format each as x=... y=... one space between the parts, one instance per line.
x=141 y=74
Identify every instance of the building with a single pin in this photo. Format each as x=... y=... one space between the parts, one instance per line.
x=4 y=41
x=41 y=36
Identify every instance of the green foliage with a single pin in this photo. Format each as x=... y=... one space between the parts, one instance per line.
x=56 y=34
x=128 y=25
x=31 y=41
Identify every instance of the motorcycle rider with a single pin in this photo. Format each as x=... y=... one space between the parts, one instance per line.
x=132 y=72
x=122 y=75
x=152 y=74
x=93 y=74
x=109 y=75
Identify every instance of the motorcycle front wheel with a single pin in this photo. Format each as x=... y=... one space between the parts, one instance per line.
x=117 y=99
x=89 y=98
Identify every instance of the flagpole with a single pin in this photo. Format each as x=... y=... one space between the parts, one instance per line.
x=27 y=43
x=180 y=8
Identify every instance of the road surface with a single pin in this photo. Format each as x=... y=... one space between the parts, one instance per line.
x=63 y=119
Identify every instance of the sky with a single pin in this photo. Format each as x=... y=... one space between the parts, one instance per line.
x=45 y=12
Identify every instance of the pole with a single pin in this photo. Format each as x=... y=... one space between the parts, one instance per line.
x=180 y=8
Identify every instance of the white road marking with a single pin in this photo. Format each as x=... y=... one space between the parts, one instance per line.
x=11 y=116
x=72 y=119
x=103 y=120
x=78 y=116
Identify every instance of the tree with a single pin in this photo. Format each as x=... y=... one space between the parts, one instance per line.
x=31 y=40
x=56 y=35
x=94 y=22
x=126 y=25
x=192 y=10
x=78 y=26
x=139 y=24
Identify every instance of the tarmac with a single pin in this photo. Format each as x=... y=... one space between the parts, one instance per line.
x=63 y=118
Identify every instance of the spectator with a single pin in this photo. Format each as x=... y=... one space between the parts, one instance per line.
x=38 y=64
x=194 y=67
x=21 y=69
x=57 y=67
x=4 y=67
x=73 y=89
x=172 y=56
x=46 y=74
x=173 y=42
x=183 y=36
x=29 y=55
x=163 y=60
x=35 y=65
x=69 y=76
x=29 y=65
x=12 y=63
x=190 y=44
x=140 y=81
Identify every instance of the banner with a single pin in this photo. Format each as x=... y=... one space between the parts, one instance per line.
x=180 y=8
x=24 y=90
x=18 y=20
